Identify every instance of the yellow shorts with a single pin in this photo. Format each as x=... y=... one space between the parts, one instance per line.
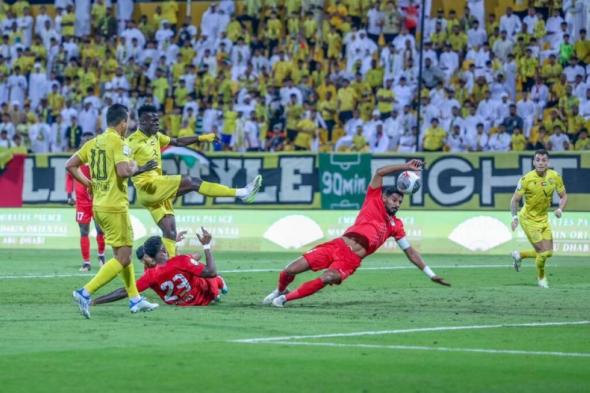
x=158 y=195
x=116 y=227
x=536 y=231
x=159 y=211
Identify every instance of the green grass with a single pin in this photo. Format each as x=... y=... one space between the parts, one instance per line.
x=46 y=346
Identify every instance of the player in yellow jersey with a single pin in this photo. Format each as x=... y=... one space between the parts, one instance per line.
x=537 y=188
x=110 y=164
x=155 y=191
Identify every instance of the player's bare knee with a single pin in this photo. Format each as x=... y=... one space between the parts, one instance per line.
x=186 y=182
x=331 y=277
x=196 y=183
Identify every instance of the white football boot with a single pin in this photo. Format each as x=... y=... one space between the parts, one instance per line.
x=252 y=188
x=279 y=301
x=141 y=305
x=83 y=302
x=273 y=295
x=543 y=283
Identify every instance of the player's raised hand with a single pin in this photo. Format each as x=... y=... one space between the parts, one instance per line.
x=180 y=236
x=415 y=165
x=441 y=281
x=205 y=238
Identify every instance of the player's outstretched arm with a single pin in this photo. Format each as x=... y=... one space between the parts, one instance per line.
x=189 y=140
x=415 y=257
x=514 y=205
x=73 y=168
x=412 y=165
x=117 y=294
x=210 y=269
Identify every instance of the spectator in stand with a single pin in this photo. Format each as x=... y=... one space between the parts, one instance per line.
x=512 y=121
x=501 y=140
x=558 y=141
x=583 y=142
x=211 y=70
x=434 y=137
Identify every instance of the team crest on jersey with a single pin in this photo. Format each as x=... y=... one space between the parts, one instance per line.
x=126 y=150
x=543 y=184
x=195 y=262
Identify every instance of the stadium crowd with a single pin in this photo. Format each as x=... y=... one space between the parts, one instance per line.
x=312 y=75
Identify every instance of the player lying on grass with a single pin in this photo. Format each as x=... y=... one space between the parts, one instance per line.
x=181 y=280
x=84 y=215
x=155 y=191
x=339 y=258
x=537 y=188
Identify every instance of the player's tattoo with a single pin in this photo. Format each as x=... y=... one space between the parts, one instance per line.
x=514 y=208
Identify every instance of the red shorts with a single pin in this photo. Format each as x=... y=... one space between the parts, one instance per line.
x=335 y=255
x=83 y=214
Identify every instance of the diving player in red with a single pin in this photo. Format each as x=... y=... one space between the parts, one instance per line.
x=83 y=203
x=339 y=258
x=180 y=280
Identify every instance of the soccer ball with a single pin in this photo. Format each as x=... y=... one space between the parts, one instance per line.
x=408 y=182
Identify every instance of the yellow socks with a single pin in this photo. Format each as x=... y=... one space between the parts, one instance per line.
x=128 y=277
x=540 y=263
x=170 y=246
x=216 y=190
x=104 y=275
x=528 y=254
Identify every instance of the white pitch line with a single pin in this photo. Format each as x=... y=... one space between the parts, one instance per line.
x=438 y=349
x=403 y=331
x=505 y=266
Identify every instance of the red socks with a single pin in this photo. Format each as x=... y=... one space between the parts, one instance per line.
x=100 y=243
x=284 y=280
x=306 y=289
x=85 y=248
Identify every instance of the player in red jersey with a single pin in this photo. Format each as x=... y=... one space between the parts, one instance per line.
x=83 y=203
x=181 y=280
x=339 y=258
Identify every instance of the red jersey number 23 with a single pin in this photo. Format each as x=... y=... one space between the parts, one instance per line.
x=179 y=282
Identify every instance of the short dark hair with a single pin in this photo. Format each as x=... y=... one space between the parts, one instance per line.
x=152 y=246
x=146 y=109
x=541 y=152
x=140 y=252
x=390 y=190
x=116 y=114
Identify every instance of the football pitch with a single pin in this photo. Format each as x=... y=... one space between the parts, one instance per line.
x=386 y=329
